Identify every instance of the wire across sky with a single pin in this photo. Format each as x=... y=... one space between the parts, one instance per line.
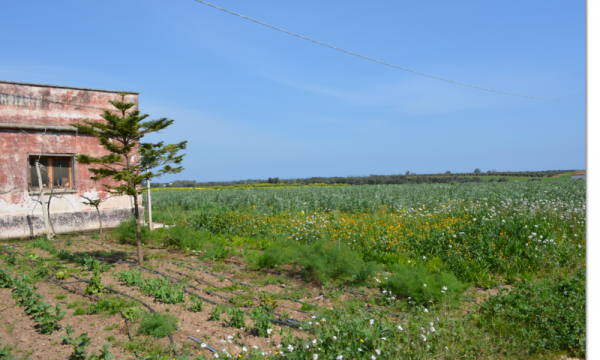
x=383 y=62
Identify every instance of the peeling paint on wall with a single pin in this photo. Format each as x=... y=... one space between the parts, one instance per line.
x=29 y=104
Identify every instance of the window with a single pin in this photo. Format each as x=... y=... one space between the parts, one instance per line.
x=56 y=171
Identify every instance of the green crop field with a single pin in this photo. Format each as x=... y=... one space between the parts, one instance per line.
x=491 y=270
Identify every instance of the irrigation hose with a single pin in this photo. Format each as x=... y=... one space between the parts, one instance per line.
x=172 y=280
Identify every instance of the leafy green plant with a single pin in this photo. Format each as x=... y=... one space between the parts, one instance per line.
x=215 y=313
x=236 y=318
x=132 y=314
x=163 y=290
x=196 y=304
x=131 y=277
x=157 y=325
x=50 y=318
x=261 y=319
x=95 y=286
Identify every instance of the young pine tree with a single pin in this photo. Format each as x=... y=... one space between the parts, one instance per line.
x=128 y=160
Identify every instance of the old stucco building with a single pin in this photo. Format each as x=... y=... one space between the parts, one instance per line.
x=35 y=125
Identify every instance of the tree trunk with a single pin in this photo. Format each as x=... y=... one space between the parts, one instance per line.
x=99 y=218
x=44 y=209
x=138 y=231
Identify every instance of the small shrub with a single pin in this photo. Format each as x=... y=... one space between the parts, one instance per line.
x=126 y=233
x=218 y=252
x=215 y=313
x=183 y=238
x=236 y=318
x=261 y=319
x=158 y=325
x=422 y=285
x=328 y=261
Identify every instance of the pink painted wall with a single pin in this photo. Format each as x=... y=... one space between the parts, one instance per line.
x=50 y=106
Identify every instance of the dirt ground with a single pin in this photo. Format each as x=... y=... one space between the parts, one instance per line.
x=22 y=332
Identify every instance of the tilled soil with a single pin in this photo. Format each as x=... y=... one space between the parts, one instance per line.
x=21 y=331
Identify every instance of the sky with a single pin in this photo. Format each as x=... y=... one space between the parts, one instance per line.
x=254 y=103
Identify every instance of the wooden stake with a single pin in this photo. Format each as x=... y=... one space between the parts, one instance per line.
x=150 y=223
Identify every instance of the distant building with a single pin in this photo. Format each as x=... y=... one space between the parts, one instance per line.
x=579 y=174
x=35 y=126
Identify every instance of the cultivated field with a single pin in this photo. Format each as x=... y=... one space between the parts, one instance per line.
x=449 y=271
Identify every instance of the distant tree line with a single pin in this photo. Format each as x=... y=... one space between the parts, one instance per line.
x=412 y=178
x=407 y=178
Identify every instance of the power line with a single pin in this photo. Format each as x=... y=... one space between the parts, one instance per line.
x=378 y=61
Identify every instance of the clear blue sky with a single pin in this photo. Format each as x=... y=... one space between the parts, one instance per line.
x=256 y=103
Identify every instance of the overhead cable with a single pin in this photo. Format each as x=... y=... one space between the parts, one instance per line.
x=379 y=61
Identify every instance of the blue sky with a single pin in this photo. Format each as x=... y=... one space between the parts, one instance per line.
x=256 y=103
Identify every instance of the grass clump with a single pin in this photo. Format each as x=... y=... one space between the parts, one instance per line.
x=126 y=233
x=157 y=325
x=544 y=315
x=422 y=285
x=196 y=305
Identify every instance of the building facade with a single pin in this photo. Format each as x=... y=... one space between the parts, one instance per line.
x=579 y=174
x=35 y=126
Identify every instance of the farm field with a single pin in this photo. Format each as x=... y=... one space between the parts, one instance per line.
x=437 y=271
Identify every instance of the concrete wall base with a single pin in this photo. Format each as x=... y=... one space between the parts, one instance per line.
x=28 y=226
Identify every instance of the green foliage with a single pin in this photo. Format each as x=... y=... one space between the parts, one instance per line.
x=422 y=286
x=131 y=277
x=261 y=318
x=163 y=290
x=50 y=318
x=241 y=300
x=79 y=312
x=236 y=318
x=196 y=304
x=434 y=264
x=268 y=302
x=219 y=252
x=328 y=261
x=43 y=312
x=132 y=314
x=215 y=313
x=273 y=256
x=184 y=238
x=110 y=306
x=157 y=325
x=126 y=232
x=95 y=286
x=60 y=274
x=544 y=315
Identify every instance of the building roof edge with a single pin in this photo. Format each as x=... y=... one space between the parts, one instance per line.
x=65 y=87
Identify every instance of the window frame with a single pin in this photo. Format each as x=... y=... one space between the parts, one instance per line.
x=72 y=173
